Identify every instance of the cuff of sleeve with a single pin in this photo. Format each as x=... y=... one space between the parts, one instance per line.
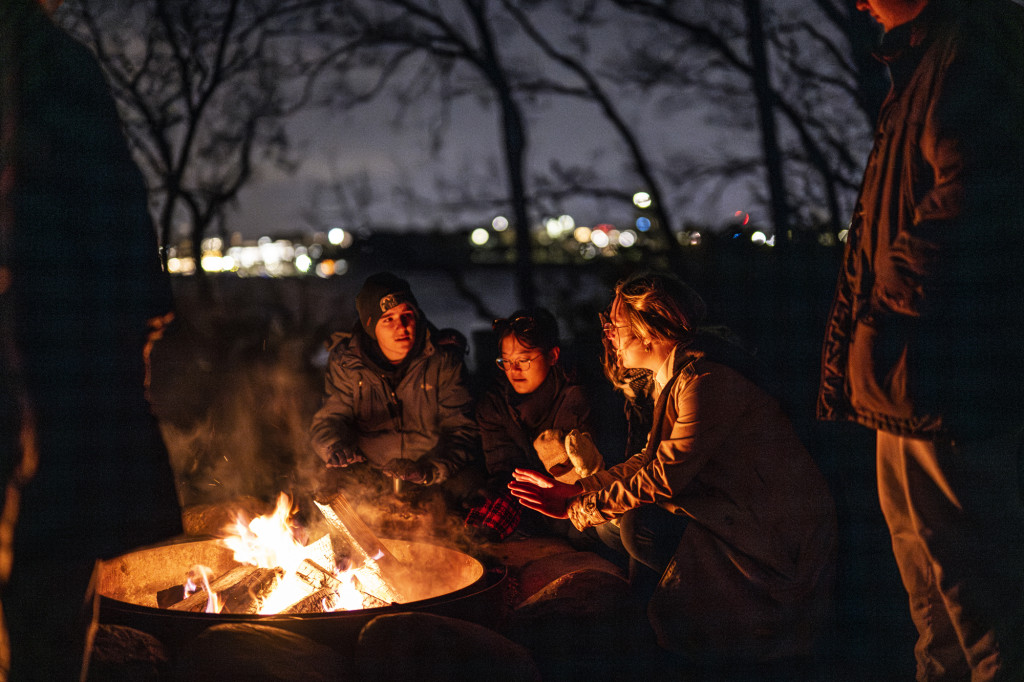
x=583 y=512
x=592 y=483
x=440 y=472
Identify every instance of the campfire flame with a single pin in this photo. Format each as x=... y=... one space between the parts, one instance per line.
x=213 y=603
x=270 y=542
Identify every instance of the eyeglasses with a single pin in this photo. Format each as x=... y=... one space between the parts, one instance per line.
x=521 y=324
x=611 y=330
x=520 y=364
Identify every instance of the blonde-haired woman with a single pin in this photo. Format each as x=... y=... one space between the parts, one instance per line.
x=724 y=503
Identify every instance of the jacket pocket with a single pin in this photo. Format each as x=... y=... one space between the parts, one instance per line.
x=879 y=366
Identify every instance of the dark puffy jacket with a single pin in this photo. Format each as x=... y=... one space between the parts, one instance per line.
x=509 y=422
x=429 y=414
x=922 y=336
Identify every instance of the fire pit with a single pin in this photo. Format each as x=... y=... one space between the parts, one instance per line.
x=448 y=582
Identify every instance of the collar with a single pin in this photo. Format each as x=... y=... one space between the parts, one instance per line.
x=913 y=34
x=664 y=373
x=533 y=408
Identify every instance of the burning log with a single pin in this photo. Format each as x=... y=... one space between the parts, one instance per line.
x=240 y=590
x=389 y=571
x=326 y=600
x=318 y=572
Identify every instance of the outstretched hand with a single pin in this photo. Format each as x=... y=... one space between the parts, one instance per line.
x=542 y=493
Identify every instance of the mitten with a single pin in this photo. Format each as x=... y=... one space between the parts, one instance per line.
x=580 y=448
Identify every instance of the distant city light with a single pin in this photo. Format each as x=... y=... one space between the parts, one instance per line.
x=553 y=227
x=211 y=262
x=325 y=268
x=175 y=266
x=283 y=258
x=642 y=200
x=500 y=223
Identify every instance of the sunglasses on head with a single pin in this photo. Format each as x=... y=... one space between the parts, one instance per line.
x=520 y=324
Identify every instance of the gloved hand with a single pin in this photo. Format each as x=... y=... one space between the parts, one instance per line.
x=583 y=454
x=419 y=471
x=343 y=457
x=550 y=447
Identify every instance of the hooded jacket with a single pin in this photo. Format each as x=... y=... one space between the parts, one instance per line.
x=921 y=340
x=421 y=410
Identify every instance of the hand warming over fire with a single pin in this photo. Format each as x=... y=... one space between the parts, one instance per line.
x=415 y=471
x=342 y=457
x=542 y=493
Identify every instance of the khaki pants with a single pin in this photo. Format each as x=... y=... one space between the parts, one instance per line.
x=956 y=518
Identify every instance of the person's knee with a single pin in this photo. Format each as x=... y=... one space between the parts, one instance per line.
x=651 y=534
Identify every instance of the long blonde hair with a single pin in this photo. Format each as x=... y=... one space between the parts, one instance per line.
x=660 y=307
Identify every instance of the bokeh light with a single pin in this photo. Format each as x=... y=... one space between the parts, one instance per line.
x=582 y=234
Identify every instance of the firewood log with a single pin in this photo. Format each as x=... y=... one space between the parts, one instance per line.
x=346 y=522
x=240 y=590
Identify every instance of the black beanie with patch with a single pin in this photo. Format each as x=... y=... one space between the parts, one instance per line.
x=381 y=293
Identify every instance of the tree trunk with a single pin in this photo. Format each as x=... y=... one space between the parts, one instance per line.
x=766 y=118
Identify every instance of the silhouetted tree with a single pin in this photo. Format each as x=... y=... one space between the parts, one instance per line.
x=817 y=93
x=454 y=50
x=204 y=90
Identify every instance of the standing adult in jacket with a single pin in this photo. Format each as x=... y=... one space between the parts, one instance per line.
x=724 y=503
x=85 y=472
x=394 y=403
x=923 y=341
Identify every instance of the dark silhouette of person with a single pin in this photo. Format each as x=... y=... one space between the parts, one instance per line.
x=82 y=293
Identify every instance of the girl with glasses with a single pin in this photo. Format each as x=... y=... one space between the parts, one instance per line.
x=532 y=395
